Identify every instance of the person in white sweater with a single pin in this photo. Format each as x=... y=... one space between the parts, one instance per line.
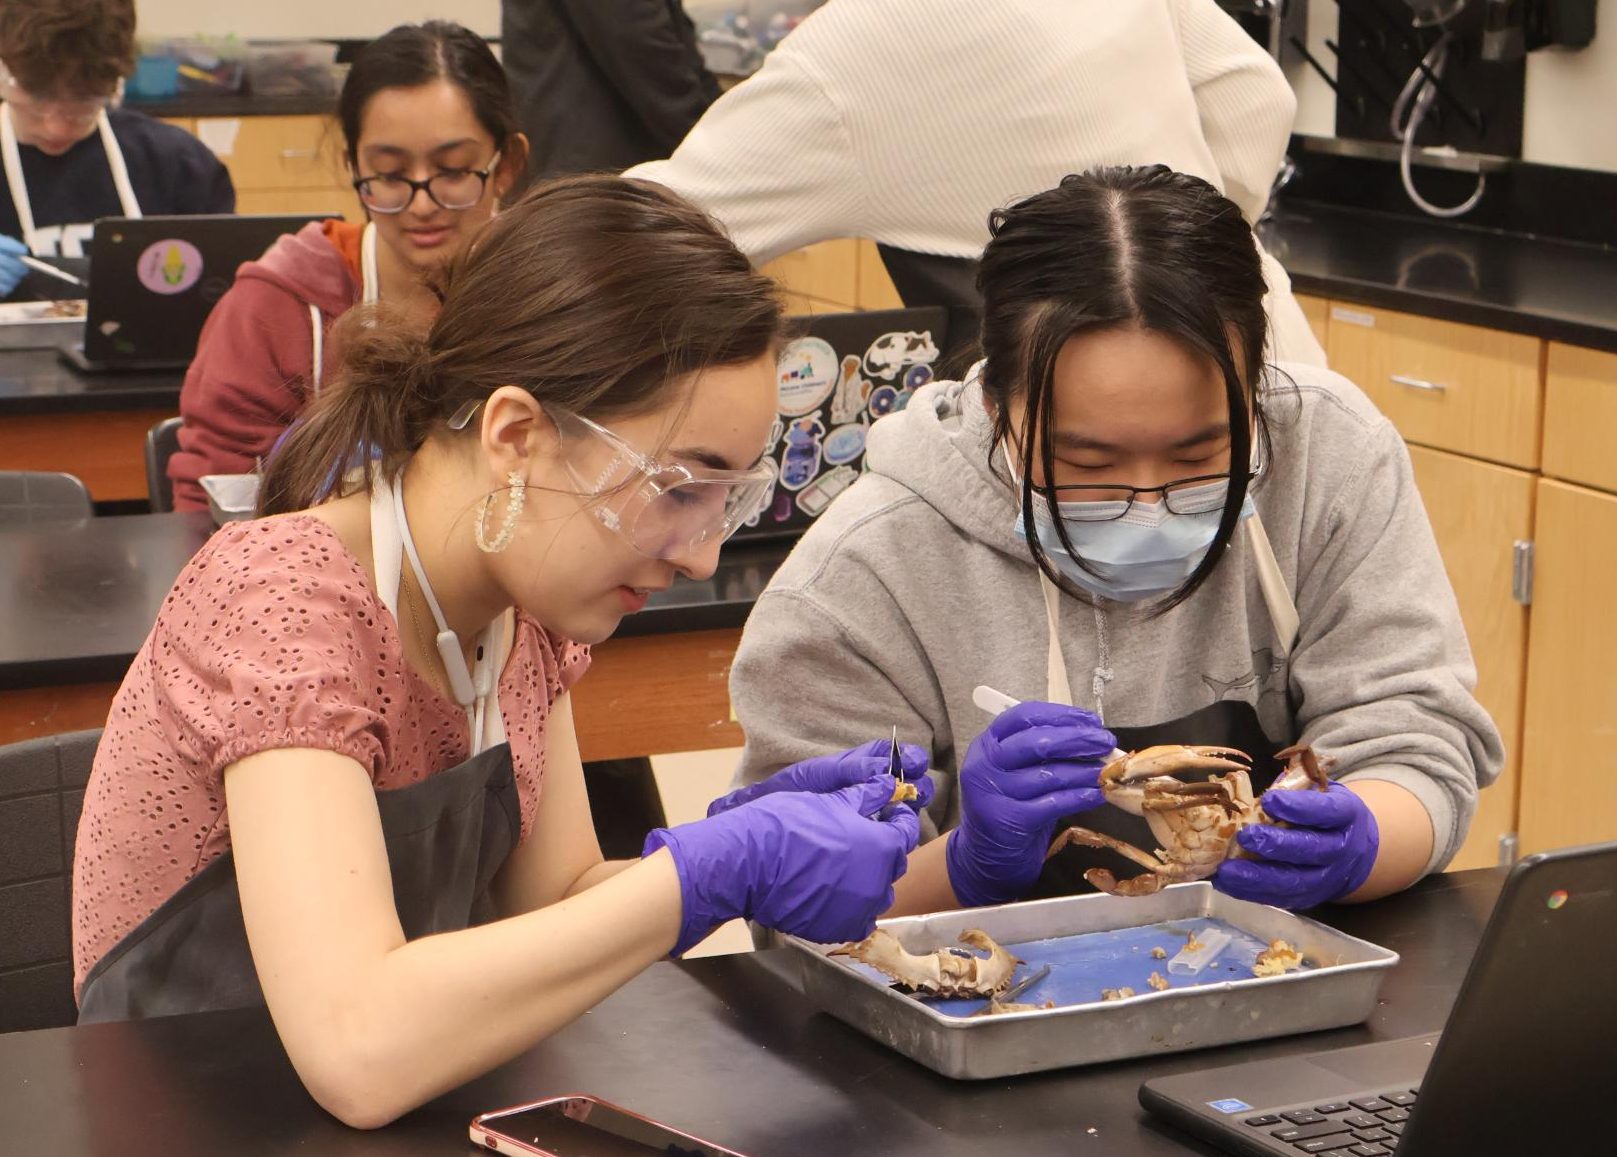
x=909 y=121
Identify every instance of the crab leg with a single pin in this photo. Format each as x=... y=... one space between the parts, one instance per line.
x=1151 y=881
x=1169 y=758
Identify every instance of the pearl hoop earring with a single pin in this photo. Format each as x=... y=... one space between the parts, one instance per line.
x=515 y=497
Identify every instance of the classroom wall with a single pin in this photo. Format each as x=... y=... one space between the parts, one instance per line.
x=311 y=19
x=1567 y=117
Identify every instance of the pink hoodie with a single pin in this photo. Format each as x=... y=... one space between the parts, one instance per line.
x=251 y=373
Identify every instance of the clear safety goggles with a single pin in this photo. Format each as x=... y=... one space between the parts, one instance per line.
x=663 y=510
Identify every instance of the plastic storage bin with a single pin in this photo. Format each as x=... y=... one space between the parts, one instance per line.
x=294 y=68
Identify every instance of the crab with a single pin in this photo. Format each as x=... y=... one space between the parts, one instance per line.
x=1195 y=822
x=946 y=972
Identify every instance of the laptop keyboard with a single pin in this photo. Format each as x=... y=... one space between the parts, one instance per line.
x=1363 y=1127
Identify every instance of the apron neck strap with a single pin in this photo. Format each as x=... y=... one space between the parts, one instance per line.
x=1057 y=688
x=1276 y=595
x=475 y=691
x=370 y=279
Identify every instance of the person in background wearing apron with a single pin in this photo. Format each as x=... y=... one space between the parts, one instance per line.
x=431 y=141
x=71 y=155
x=341 y=776
x=1124 y=508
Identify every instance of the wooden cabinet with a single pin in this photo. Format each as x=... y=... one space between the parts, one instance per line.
x=1452 y=387
x=1580 y=415
x=1569 y=795
x=1479 y=512
x=834 y=277
x=283 y=164
x=1318 y=312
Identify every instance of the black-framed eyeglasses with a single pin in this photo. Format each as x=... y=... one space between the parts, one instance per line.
x=1200 y=494
x=452 y=189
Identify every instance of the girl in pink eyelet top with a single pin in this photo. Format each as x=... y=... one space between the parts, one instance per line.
x=341 y=777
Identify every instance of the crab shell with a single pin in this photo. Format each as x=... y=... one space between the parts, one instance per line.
x=941 y=973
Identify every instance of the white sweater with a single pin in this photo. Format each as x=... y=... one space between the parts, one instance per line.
x=908 y=121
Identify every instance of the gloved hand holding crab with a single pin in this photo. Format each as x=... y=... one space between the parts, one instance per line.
x=1304 y=842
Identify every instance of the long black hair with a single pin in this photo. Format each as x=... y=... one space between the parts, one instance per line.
x=412 y=55
x=1109 y=248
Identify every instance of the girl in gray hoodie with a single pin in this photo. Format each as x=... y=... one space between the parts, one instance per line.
x=1124 y=508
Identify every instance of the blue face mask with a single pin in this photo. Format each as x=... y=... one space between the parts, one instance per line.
x=1147 y=552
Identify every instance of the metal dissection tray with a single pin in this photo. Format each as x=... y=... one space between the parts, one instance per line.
x=1093 y=942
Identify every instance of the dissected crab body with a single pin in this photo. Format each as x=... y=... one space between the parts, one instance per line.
x=1195 y=823
x=942 y=973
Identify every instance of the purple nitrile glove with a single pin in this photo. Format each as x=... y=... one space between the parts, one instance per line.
x=1325 y=855
x=833 y=772
x=1036 y=763
x=812 y=864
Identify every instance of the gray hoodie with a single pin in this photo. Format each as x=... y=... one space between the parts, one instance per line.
x=913 y=588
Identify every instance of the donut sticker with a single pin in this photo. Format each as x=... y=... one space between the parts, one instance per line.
x=169 y=267
x=844 y=444
x=891 y=352
x=883 y=401
x=917 y=376
x=805 y=375
x=800 y=461
x=853 y=391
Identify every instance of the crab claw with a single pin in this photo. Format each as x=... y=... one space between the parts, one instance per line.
x=1170 y=758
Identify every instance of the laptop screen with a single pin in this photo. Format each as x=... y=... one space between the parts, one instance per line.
x=842 y=373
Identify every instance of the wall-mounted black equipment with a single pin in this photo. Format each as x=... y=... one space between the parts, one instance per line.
x=1281 y=26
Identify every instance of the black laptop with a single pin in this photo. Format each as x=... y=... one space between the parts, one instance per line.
x=843 y=372
x=153 y=281
x=1523 y=1066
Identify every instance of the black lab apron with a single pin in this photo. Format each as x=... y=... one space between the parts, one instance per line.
x=1227 y=723
x=446 y=837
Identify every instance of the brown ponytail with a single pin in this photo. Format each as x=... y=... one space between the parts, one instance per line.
x=593 y=293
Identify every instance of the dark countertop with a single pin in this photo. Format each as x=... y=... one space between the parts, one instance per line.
x=1549 y=289
x=82 y=596
x=1556 y=290
x=724 y=1047
x=236 y=104
x=36 y=381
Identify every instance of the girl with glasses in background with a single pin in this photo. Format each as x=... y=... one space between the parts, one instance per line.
x=341 y=777
x=433 y=148
x=1124 y=518
x=70 y=153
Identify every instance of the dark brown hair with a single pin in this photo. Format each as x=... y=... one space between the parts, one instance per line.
x=412 y=55
x=68 y=48
x=593 y=293
x=1116 y=247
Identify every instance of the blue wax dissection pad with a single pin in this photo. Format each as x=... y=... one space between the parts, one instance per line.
x=1082 y=965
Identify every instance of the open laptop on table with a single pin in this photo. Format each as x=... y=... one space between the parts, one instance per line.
x=153 y=281
x=1524 y=1065
x=844 y=372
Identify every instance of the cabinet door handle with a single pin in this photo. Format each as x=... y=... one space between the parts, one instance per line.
x=299 y=154
x=1419 y=384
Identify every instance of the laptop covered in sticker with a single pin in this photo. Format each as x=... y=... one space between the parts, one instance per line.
x=843 y=372
x=154 y=280
x=1523 y=1065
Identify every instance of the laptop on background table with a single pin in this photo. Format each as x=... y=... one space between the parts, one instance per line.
x=153 y=281
x=1523 y=1066
x=843 y=372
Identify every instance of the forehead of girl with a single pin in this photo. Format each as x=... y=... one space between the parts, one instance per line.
x=430 y=122
x=1135 y=389
x=722 y=417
